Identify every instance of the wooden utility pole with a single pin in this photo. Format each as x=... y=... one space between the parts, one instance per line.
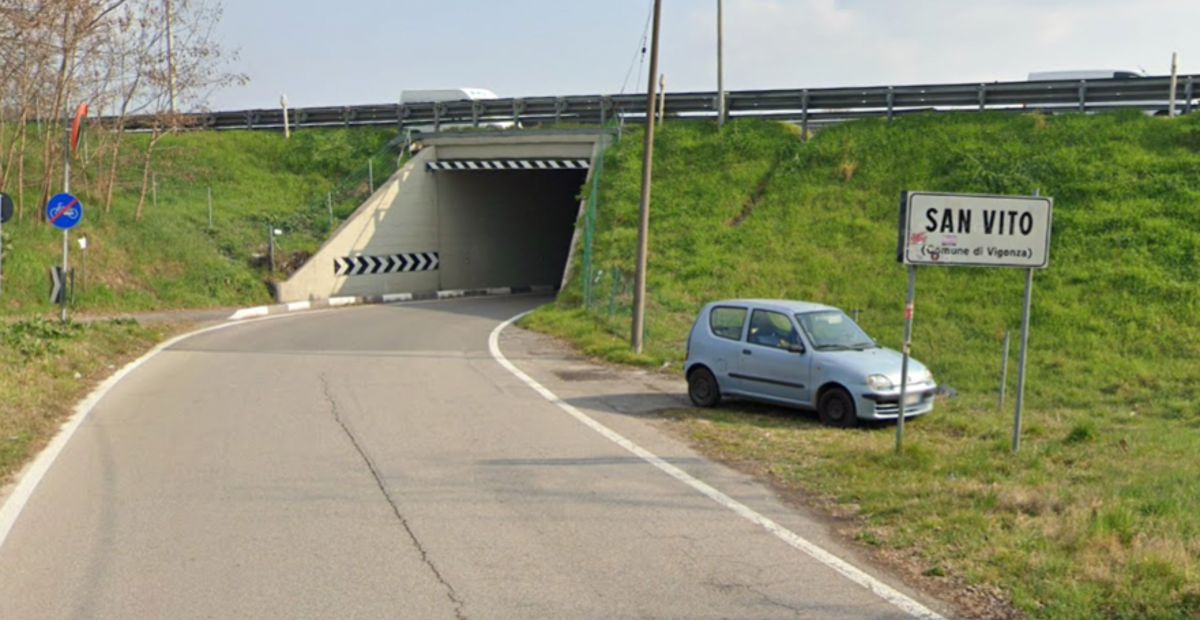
x=639 y=294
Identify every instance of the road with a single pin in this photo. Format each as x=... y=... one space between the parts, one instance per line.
x=378 y=462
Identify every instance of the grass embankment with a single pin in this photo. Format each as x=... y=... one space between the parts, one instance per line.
x=170 y=258
x=1099 y=514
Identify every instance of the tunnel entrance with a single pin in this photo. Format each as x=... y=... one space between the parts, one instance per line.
x=467 y=212
x=505 y=228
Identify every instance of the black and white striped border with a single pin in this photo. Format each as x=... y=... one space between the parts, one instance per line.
x=508 y=164
x=391 y=263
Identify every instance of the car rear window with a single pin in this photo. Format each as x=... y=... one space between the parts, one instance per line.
x=727 y=322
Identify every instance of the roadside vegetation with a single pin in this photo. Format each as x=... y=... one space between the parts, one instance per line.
x=47 y=367
x=1098 y=515
x=169 y=257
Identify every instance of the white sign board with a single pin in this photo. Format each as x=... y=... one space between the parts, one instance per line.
x=975 y=230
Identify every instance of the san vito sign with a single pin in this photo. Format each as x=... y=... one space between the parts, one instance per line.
x=975 y=230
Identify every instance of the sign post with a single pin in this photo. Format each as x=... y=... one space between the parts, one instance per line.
x=975 y=230
x=65 y=212
x=6 y=213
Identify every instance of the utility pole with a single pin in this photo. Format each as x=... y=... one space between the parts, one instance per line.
x=639 y=302
x=171 y=56
x=720 y=63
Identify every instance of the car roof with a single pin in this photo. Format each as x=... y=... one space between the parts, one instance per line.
x=787 y=306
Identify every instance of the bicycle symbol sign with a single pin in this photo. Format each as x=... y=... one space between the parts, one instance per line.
x=64 y=211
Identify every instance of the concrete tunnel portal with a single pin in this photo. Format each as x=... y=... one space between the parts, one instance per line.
x=468 y=212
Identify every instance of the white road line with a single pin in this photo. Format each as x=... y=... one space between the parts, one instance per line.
x=28 y=480
x=843 y=567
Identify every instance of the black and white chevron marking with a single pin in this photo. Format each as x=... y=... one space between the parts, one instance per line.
x=508 y=164
x=391 y=263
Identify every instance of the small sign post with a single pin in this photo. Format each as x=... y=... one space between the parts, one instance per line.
x=974 y=230
x=65 y=212
x=6 y=213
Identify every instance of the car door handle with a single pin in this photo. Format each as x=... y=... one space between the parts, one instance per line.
x=747 y=352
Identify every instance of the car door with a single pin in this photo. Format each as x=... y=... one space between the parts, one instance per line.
x=774 y=364
x=724 y=328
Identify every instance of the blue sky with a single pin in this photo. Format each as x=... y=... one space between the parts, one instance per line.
x=367 y=51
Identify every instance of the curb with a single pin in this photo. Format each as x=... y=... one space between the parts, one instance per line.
x=334 y=302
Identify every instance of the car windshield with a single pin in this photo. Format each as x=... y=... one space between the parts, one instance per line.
x=833 y=330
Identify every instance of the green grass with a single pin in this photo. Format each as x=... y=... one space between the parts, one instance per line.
x=1099 y=514
x=170 y=258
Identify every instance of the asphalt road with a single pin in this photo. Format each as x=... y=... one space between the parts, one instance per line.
x=377 y=462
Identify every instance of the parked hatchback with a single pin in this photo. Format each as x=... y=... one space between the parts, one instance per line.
x=802 y=355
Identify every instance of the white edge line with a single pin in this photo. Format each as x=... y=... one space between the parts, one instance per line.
x=29 y=480
x=246 y=313
x=843 y=567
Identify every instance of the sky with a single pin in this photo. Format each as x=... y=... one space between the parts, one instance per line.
x=368 y=51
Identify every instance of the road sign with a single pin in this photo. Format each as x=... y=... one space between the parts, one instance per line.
x=64 y=211
x=57 y=290
x=975 y=230
x=6 y=208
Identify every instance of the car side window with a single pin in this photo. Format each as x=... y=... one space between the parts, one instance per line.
x=772 y=329
x=727 y=322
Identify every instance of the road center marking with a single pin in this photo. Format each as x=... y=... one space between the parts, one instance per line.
x=818 y=553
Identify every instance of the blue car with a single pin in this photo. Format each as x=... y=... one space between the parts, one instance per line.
x=802 y=355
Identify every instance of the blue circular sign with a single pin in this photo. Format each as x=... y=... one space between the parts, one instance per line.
x=64 y=211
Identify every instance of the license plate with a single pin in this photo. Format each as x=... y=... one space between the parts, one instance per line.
x=911 y=399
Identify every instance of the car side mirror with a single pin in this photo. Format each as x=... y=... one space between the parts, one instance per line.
x=795 y=348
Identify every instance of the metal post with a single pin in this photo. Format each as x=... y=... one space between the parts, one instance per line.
x=1189 y=94
x=271 y=246
x=210 y=209
x=1174 y=84
x=287 y=127
x=639 y=304
x=804 y=115
x=907 y=350
x=66 y=233
x=1082 y=95
x=65 y=267
x=1016 y=442
x=1004 y=368
x=982 y=97
x=720 y=63
x=891 y=94
x=662 y=98
x=171 y=57
x=329 y=205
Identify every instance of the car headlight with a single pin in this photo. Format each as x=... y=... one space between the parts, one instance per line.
x=880 y=383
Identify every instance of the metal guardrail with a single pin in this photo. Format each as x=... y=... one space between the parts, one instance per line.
x=815 y=106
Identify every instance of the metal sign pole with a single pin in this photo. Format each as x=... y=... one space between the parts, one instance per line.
x=1 y=254
x=66 y=233
x=1016 y=442
x=908 y=323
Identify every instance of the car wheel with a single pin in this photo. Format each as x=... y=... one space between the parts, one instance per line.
x=703 y=388
x=836 y=408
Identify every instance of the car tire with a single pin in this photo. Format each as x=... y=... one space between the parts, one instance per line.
x=703 y=388
x=836 y=408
